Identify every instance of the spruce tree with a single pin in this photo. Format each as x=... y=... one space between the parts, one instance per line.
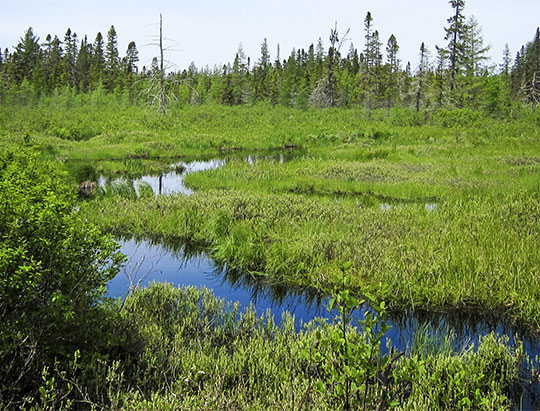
x=83 y=64
x=52 y=62
x=372 y=62
x=112 y=60
x=98 y=61
x=260 y=74
x=287 y=86
x=25 y=57
x=455 y=33
x=517 y=76
x=505 y=66
x=440 y=76
x=393 y=70
x=239 y=77
x=368 y=52
x=264 y=60
x=131 y=59
x=70 y=59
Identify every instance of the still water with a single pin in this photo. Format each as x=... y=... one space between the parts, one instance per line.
x=182 y=267
x=172 y=182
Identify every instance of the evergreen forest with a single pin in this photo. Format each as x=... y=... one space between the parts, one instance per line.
x=456 y=74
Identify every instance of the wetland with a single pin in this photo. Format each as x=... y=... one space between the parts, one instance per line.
x=250 y=260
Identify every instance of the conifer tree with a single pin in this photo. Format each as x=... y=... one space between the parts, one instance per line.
x=25 y=57
x=372 y=61
x=70 y=59
x=130 y=63
x=261 y=89
x=287 y=86
x=505 y=66
x=393 y=70
x=518 y=72
x=440 y=76
x=239 y=77
x=320 y=55
x=455 y=33
x=52 y=62
x=474 y=50
x=368 y=52
x=83 y=65
x=131 y=59
x=98 y=61
x=264 y=60
x=112 y=60
x=474 y=64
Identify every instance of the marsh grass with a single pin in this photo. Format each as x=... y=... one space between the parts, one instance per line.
x=477 y=253
x=92 y=133
x=294 y=224
x=183 y=348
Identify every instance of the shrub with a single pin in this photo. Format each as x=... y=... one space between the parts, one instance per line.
x=53 y=269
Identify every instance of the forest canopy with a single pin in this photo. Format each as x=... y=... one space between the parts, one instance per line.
x=457 y=73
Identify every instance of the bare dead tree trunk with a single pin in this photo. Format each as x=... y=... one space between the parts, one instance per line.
x=535 y=89
x=531 y=91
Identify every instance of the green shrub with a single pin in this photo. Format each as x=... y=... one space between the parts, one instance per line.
x=53 y=269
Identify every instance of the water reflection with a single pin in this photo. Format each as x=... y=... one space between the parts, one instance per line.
x=188 y=265
x=172 y=182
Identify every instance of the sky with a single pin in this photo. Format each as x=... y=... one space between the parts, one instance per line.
x=209 y=32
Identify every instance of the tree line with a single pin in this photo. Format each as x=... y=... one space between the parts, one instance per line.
x=457 y=73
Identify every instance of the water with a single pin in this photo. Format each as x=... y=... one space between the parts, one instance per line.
x=148 y=263
x=172 y=182
x=154 y=262
x=181 y=266
x=428 y=206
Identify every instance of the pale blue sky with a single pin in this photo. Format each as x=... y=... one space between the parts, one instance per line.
x=209 y=31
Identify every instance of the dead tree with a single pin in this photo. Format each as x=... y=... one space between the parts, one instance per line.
x=531 y=91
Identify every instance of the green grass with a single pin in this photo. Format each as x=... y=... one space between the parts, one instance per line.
x=186 y=349
x=295 y=224
x=470 y=253
x=137 y=132
x=402 y=173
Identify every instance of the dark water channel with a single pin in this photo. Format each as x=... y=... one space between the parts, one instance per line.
x=149 y=263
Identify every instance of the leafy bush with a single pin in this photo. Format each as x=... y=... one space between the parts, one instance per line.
x=53 y=269
x=459 y=117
